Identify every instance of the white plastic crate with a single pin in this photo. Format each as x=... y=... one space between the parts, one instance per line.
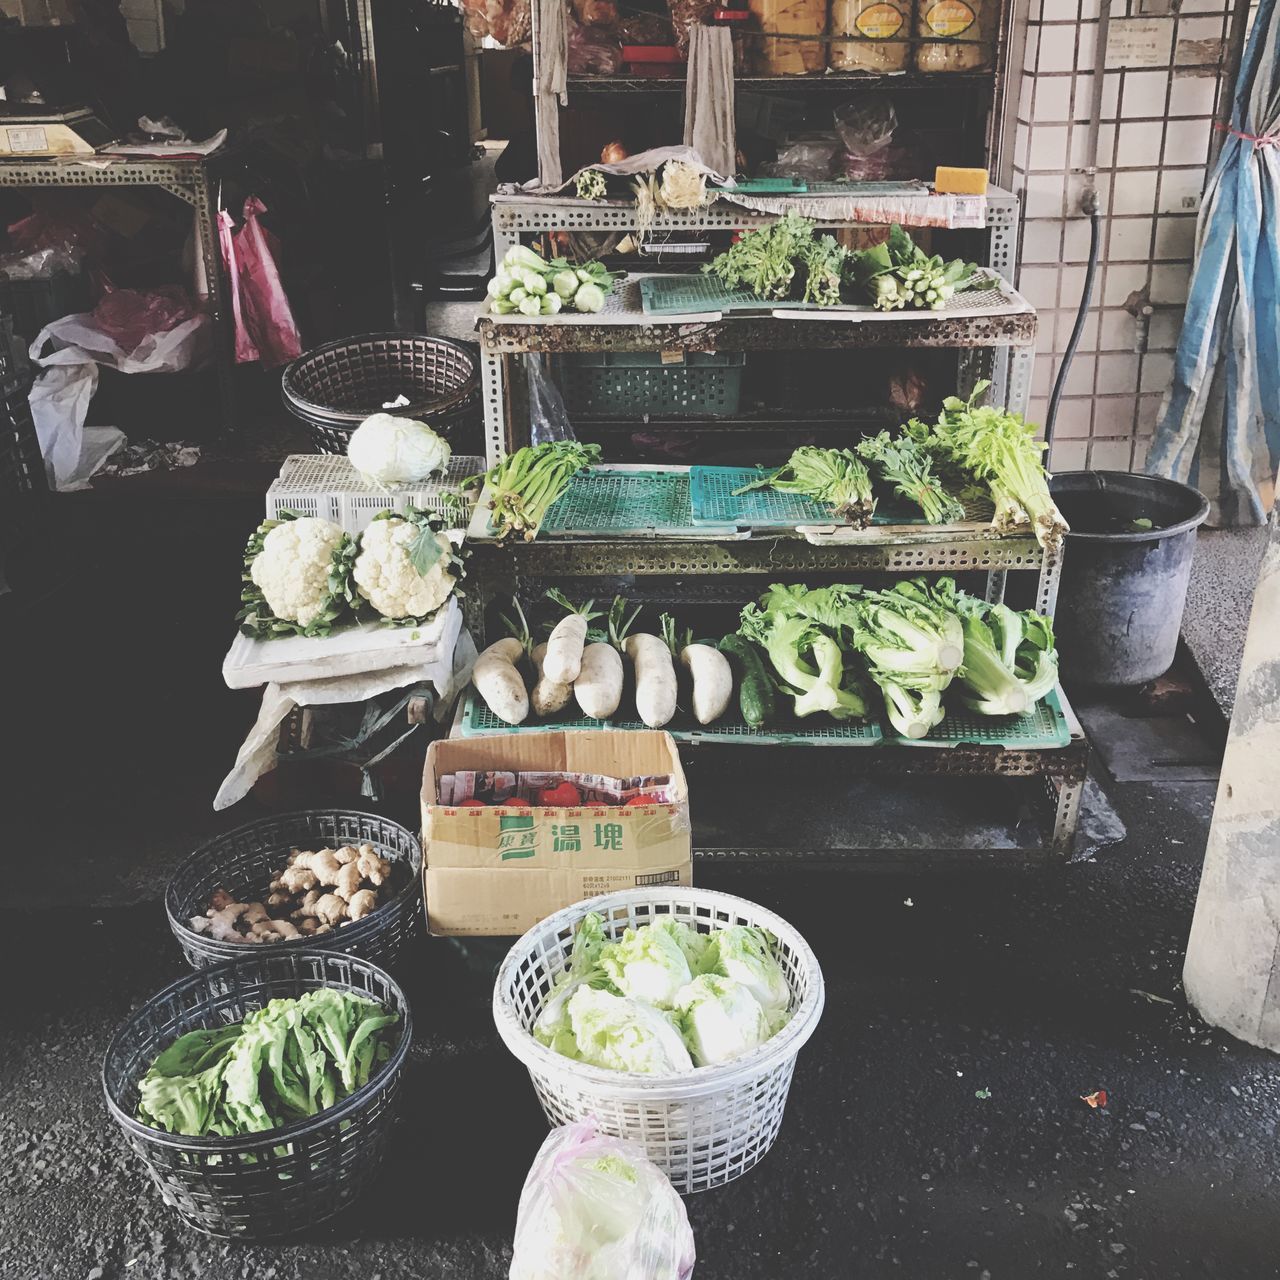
x=328 y=486
x=704 y=1127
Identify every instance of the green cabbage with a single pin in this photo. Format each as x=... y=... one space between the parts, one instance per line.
x=625 y=1035
x=742 y=952
x=720 y=1019
x=648 y=964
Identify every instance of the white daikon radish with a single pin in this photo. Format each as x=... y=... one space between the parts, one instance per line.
x=499 y=682
x=548 y=696
x=712 y=681
x=655 y=678
x=567 y=639
x=598 y=687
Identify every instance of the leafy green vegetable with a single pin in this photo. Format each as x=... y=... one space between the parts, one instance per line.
x=286 y=1061
x=836 y=477
x=647 y=964
x=590 y=184
x=720 y=1019
x=621 y=1034
x=744 y=953
x=897 y=273
x=908 y=466
x=1010 y=662
x=784 y=260
x=999 y=447
x=524 y=484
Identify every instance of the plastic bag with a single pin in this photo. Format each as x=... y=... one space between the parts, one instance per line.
x=866 y=123
x=809 y=158
x=596 y=1208
x=246 y=350
x=71 y=451
x=267 y=314
x=548 y=418
x=593 y=51
x=39 y=264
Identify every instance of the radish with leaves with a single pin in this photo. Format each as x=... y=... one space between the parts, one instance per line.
x=567 y=639
x=598 y=688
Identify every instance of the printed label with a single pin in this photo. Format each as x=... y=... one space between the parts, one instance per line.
x=26 y=139
x=949 y=18
x=517 y=837
x=879 y=22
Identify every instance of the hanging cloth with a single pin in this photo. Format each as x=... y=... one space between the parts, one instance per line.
x=708 y=101
x=1219 y=425
x=551 y=82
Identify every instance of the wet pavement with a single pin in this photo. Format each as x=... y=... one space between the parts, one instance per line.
x=935 y=1126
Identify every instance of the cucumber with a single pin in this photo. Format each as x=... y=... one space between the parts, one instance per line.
x=755 y=689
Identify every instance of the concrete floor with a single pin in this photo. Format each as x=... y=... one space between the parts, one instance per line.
x=935 y=1127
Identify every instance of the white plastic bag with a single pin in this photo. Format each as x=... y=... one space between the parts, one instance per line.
x=59 y=402
x=596 y=1208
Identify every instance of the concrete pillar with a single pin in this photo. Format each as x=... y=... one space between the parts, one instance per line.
x=1232 y=971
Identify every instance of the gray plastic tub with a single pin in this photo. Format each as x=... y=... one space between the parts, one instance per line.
x=1123 y=587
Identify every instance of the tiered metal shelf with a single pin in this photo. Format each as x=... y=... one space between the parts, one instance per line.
x=655 y=553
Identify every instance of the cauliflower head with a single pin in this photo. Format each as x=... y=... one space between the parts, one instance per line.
x=292 y=569
x=385 y=575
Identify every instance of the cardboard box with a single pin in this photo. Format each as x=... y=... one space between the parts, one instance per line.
x=498 y=871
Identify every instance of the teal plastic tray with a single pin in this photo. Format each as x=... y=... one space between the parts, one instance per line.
x=714 y=502
x=689 y=294
x=1045 y=725
x=622 y=503
x=478 y=720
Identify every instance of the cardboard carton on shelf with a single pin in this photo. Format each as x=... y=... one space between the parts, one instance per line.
x=498 y=871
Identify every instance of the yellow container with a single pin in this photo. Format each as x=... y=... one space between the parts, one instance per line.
x=880 y=29
x=956 y=35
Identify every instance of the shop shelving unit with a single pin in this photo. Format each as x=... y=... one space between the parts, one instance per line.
x=993 y=329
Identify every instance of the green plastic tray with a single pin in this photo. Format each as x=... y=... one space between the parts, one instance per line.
x=1045 y=725
x=478 y=720
x=621 y=503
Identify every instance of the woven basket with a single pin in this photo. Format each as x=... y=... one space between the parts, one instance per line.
x=243 y=862
x=705 y=1127
x=281 y=1181
x=333 y=388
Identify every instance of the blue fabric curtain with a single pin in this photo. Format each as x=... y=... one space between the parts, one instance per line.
x=1219 y=425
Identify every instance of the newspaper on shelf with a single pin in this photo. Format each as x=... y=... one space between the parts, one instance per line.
x=493 y=786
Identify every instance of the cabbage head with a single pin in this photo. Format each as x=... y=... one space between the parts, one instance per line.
x=389 y=450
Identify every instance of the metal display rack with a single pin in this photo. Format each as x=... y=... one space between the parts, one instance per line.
x=188 y=179
x=660 y=562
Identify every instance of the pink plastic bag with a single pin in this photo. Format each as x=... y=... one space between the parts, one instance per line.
x=596 y=1206
x=264 y=316
x=246 y=351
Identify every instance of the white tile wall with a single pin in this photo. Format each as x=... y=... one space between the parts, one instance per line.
x=1153 y=147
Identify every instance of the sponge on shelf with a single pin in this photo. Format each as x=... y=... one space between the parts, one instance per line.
x=960 y=182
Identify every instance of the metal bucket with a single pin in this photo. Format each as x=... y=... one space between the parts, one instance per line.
x=1123 y=588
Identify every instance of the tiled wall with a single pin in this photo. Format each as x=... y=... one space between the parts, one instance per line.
x=1153 y=148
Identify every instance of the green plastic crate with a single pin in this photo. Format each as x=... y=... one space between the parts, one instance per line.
x=631 y=384
x=478 y=720
x=640 y=503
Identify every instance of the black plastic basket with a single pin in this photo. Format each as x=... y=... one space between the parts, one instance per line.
x=333 y=388
x=244 y=861
x=278 y=1182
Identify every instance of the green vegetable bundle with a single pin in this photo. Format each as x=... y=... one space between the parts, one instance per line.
x=784 y=260
x=530 y=285
x=898 y=274
x=999 y=448
x=525 y=483
x=912 y=641
x=287 y=1061
x=907 y=465
x=834 y=477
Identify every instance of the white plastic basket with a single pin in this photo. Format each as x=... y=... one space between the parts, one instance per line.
x=328 y=486
x=704 y=1127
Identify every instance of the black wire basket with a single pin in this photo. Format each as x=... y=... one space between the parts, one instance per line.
x=244 y=861
x=280 y=1181
x=333 y=388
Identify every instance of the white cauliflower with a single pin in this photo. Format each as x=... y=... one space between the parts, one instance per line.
x=385 y=574
x=292 y=569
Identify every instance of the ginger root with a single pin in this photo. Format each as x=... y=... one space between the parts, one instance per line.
x=316 y=892
x=361 y=904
